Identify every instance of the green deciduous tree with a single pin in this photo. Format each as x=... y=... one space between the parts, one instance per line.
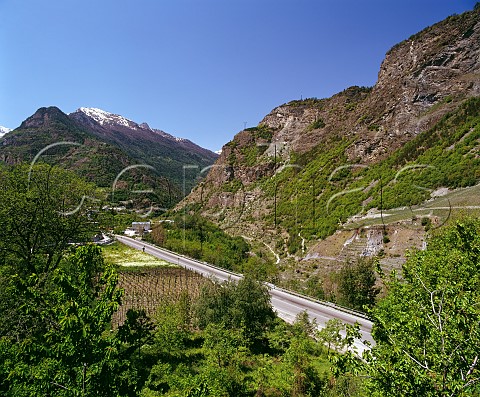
x=331 y=337
x=56 y=299
x=75 y=352
x=305 y=378
x=427 y=329
x=70 y=353
x=243 y=305
x=42 y=210
x=172 y=327
x=223 y=347
x=357 y=284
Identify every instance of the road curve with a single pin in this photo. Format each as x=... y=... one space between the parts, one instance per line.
x=286 y=304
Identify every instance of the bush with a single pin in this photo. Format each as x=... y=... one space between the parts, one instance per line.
x=357 y=284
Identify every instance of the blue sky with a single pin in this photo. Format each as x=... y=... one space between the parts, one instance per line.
x=198 y=69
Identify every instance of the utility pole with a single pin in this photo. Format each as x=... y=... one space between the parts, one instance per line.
x=313 y=202
x=276 y=184
x=185 y=167
x=296 y=208
x=275 y=159
x=381 y=203
x=275 y=204
x=184 y=211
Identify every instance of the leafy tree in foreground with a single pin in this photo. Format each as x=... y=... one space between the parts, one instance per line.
x=57 y=301
x=427 y=329
x=75 y=353
x=42 y=210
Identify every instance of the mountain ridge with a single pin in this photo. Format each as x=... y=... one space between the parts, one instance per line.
x=103 y=118
x=102 y=152
x=113 y=124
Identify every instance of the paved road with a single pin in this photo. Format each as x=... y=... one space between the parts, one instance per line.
x=286 y=304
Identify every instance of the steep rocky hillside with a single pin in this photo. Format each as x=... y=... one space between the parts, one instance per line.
x=296 y=178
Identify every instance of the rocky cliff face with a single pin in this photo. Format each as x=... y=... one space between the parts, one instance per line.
x=420 y=80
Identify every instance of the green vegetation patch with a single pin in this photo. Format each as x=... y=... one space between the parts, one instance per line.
x=198 y=238
x=308 y=102
x=262 y=131
x=319 y=123
x=122 y=255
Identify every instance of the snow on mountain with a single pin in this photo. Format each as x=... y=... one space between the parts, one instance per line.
x=4 y=130
x=106 y=118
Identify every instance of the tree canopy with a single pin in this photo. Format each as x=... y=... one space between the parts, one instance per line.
x=427 y=329
x=57 y=298
x=243 y=305
x=42 y=210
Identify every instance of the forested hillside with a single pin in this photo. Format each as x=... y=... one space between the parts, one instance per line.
x=117 y=154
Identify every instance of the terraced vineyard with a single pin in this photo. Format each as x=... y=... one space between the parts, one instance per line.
x=445 y=205
x=146 y=288
x=148 y=281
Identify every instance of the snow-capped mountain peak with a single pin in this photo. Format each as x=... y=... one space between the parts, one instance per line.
x=4 y=130
x=106 y=118
x=112 y=121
